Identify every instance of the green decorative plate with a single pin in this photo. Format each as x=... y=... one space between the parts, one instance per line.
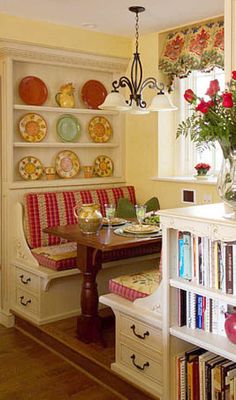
x=68 y=128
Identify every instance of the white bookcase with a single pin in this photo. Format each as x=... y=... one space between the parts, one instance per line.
x=204 y=221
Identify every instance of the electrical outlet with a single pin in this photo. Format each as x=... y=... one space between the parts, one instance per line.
x=207 y=198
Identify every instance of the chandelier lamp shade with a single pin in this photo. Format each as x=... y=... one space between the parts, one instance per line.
x=115 y=101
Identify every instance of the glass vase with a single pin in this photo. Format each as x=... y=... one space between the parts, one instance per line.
x=226 y=183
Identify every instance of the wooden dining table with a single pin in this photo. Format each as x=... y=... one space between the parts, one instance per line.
x=92 y=251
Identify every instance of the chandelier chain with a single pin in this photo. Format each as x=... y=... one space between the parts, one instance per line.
x=137 y=31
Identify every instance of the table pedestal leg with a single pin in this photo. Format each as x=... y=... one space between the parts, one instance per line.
x=88 y=323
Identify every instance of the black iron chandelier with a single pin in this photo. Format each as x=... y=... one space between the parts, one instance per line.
x=136 y=104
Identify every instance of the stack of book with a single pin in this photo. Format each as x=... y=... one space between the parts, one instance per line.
x=202 y=375
x=206 y=262
x=197 y=311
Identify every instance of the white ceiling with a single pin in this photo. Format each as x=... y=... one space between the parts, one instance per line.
x=112 y=16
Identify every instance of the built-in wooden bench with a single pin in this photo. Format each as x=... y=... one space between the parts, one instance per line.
x=136 y=301
x=46 y=281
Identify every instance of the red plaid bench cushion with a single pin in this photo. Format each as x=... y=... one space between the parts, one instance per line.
x=48 y=209
x=59 y=257
x=136 y=285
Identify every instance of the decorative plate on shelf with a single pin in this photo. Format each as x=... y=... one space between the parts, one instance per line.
x=33 y=127
x=103 y=166
x=33 y=91
x=100 y=129
x=67 y=164
x=68 y=128
x=30 y=168
x=93 y=93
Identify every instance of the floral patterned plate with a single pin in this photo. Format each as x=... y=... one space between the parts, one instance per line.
x=100 y=129
x=30 y=168
x=140 y=229
x=103 y=166
x=33 y=127
x=67 y=164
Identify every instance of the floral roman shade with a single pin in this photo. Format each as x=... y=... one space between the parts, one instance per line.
x=198 y=47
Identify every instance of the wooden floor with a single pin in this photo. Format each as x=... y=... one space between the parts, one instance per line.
x=29 y=371
x=93 y=360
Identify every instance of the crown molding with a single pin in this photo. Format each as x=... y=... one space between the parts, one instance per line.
x=26 y=52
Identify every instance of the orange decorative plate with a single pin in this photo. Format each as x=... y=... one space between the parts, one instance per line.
x=67 y=164
x=33 y=127
x=30 y=168
x=103 y=166
x=93 y=94
x=33 y=91
x=100 y=129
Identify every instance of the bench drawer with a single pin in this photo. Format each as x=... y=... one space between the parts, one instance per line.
x=26 y=301
x=143 y=333
x=26 y=280
x=141 y=364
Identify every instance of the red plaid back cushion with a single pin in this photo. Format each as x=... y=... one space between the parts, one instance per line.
x=50 y=209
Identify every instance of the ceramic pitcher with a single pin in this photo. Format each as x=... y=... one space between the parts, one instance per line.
x=89 y=217
x=65 y=98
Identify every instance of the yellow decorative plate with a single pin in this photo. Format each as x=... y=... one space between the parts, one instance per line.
x=33 y=127
x=30 y=168
x=136 y=228
x=103 y=166
x=67 y=164
x=100 y=129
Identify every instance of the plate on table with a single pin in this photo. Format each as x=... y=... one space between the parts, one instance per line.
x=68 y=128
x=67 y=164
x=33 y=127
x=30 y=168
x=100 y=129
x=33 y=91
x=103 y=166
x=140 y=229
x=93 y=93
x=114 y=221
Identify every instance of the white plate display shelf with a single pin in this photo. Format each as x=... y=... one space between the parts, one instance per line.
x=54 y=68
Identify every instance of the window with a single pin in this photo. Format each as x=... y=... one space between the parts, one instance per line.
x=188 y=156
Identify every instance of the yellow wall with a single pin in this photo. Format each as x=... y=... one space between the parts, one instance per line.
x=62 y=36
x=141 y=146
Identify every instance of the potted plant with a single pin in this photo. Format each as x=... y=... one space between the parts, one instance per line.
x=202 y=169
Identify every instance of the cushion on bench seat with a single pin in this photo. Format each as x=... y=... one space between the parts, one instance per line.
x=58 y=257
x=136 y=285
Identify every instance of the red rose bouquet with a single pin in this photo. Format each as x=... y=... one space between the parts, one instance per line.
x=213 y=119
x=202 y=168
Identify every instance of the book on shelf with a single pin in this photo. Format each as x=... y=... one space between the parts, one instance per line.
x=209 y=365
x=229 y=268
x=182 y=307
x=185 y=255
x=226 y=375
x=203 y=358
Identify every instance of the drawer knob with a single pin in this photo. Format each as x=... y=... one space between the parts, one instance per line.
x=137 y=335
x=24 y=281
x=24 y=303
x=145 y=365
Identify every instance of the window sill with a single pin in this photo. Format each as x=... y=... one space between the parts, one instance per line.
x=211 y=180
